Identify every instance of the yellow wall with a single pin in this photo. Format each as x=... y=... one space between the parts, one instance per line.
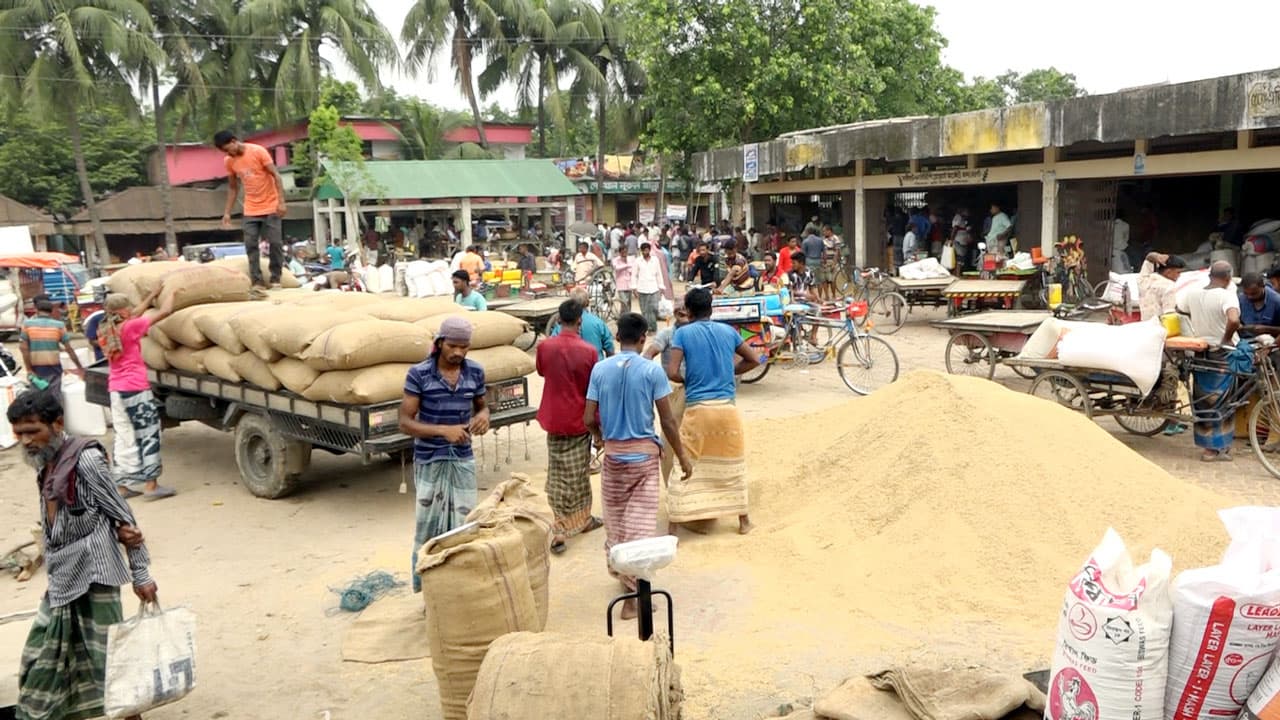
x=1021 y=127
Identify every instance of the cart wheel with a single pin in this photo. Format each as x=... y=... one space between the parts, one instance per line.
x=969 y=353
x=866 y=363
x=270 y=464
x=1264 y=433
x=553 y=322
x=758 y=372
x=887 y=313
x=1066 y=390
x=1024 y=372
x=1144 y=425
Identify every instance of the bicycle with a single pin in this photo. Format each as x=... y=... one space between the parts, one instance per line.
x=885 y=305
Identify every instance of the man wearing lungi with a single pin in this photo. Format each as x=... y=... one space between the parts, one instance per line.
x=712 y=354
x=64 y=662
x=443 y=406
x=659 y=350
x=625 y=389
x=1215 y=317
x=565 y=363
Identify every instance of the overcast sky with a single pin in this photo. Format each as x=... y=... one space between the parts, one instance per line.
x=1108 y=44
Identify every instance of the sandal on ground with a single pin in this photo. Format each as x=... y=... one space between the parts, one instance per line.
x=161 y=492
x=128 y=493
x=558 y=547
x=594 y=524
x=1217 y=457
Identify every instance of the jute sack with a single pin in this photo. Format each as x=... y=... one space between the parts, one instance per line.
x=338 y=300
x=489 y=328
x=219 y=362
x=515 y=500
x=213 y=321
x=380 y=383
x=153 y=355
x=158 y=337
x=291 y=333
x=240 y=264
x=248 y=328
x=355 y=345
x=410 y=309
x=138 y=281
x=181 y=328
x=294 y=374
x=503 y=362
x=200 y=284
x=533 y=676
x=254 y=370
x=476 y=587
x=184 y=358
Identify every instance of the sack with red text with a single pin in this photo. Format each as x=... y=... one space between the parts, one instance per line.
x=1226 y=621
x=1111 y=656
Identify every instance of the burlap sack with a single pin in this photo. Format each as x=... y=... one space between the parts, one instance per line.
x=515 y=500
x=181 y=329
x=503 y=362
x=290 y=296
x=199 y=284
x=219 y=362
x=490 y=329
x=138 y=281
x=255 y=371
x=184 y=358
x=290 y=333
x=476 y=587
x=248 y=329
x=339 y=300
x=355 y=345
x=295 y=375
x=158 y=337
x=546 y=675
x=240 y=263
x=153 y=355
x=410 y=309
x=366 y=386
x=214 y=322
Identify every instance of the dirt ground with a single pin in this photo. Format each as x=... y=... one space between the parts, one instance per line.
x=261 y=574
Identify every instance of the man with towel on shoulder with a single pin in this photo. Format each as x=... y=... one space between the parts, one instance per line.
x=443 y=406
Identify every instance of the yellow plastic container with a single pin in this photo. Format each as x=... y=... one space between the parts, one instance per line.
x=1172 y=324
x=511 y=276
x=1055 y=295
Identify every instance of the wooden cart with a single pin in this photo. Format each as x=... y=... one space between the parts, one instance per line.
x=541 y=313
x=889 y=306
x=976 y=295
x=980 y=342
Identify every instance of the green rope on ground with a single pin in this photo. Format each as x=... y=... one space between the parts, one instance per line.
x=364 y=590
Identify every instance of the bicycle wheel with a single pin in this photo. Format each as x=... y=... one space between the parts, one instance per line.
x=867 y=366
x=757 y=373
x=1264 y=433
x=553 y=322
x=1064 y=389
x=1023 y=372
x=969 y=353
x=887 y=313
x=1144 y=425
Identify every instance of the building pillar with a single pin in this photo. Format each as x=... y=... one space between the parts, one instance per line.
x=465 y=230
x=335 y=228
x=351 y=239
x=1048 y=211
x=570 y=215
x=860 y=226
x=749 y=208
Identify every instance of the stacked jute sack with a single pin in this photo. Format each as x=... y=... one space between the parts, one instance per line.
x=325 y=346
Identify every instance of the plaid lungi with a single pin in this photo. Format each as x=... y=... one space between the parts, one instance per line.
x=136 y=422
x=64 y=663
x=569 y=482
x=1217 y=430
x=712 y=435
x=446 y=493
x=629 y=493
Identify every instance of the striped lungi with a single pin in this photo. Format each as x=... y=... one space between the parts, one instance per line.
x=712 y=435
x=64 y=663
x=136 y=422
x=629 y=494
x=1211 y=388
x=569 y=482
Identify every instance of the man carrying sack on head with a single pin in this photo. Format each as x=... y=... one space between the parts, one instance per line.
x=443 y=406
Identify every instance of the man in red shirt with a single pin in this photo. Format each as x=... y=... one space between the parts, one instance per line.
x=565 y=362
x=264 y=206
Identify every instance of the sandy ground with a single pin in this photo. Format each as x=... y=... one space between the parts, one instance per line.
x=261 y=574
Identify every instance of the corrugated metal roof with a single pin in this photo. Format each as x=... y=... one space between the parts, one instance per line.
x=431 y=179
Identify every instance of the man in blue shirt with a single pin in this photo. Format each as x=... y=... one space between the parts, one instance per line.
x=443 y=406
x=1259 y=306
x=463 y=294
x=624 y=390
x=712 y=431
x=594 y=330
x=337 y=258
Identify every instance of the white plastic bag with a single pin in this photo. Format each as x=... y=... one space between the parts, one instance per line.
x=151 y=660
x=1111 y=656
x=643 y=558
x=1135 y=350
x=666 y=309
x=949 y=256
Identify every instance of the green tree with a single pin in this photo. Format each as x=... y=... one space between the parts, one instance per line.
x=234 y=63
x=341 y=156
x=620 y=78
x=62 y=58
x=341 y=96
x=1045 y=85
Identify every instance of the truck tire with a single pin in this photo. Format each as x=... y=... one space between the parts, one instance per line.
x=187 y=407
x=271 y=465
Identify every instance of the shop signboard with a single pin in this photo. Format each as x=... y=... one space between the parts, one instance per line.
x=751 y=162
x=677 y=212
x=935 y=178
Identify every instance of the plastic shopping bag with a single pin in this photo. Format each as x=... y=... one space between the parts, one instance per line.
x=666 y=309
x=949 y=256
x=151 y=660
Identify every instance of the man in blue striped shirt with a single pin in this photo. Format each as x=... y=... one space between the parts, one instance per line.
x=443 y=407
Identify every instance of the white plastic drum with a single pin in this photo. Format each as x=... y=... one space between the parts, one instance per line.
x=81 y=416
x=386 y=278
x=1258 y=263
x=1230 y=255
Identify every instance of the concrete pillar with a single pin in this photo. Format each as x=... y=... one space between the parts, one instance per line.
x=351 y=215
x=465 y=230
x=859 y=237
x=1048 y=211
x=570 y=214
x=749 y=208
x=335 y=227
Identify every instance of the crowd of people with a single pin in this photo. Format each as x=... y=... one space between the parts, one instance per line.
x=919 y=232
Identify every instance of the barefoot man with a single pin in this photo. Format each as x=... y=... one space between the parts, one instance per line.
x=625 y=389
x=711 y=430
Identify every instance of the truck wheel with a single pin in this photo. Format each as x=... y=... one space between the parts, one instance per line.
x=271 y=465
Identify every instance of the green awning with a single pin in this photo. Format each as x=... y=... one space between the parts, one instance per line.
x=438 y=179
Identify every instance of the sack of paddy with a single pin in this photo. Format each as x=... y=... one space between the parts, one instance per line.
x=380 y=383
x=476 y=587
x=1111 y=657
x=338 y=300
x=516 y=500
x=199 y=284
x=219 y=362
x=367 y=343
x=153 y=355
x=184 y=358
x=214 y=322
x=240 y=264
x=295 y=375
x=503 y=362
x=291 y=333
x=181 y=329
x=138 y=281
x=489 y=328
x=1135 y=350
x=255 y=371
x=533 y=676
x=410 y=309
x=248 y=325
x=1226 y=621
x=158 y=337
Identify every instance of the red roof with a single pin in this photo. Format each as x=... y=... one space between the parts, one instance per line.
x=497 y=133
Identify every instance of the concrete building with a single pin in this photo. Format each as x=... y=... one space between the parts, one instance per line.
x=1167 y=158
x=508 y=139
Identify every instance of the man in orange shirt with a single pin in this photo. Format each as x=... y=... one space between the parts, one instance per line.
x=264 y=209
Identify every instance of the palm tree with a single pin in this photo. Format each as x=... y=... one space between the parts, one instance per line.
x=233 y=64
x=63 y=56
x=467 y=28
x=302 y=27
x=620 y=78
